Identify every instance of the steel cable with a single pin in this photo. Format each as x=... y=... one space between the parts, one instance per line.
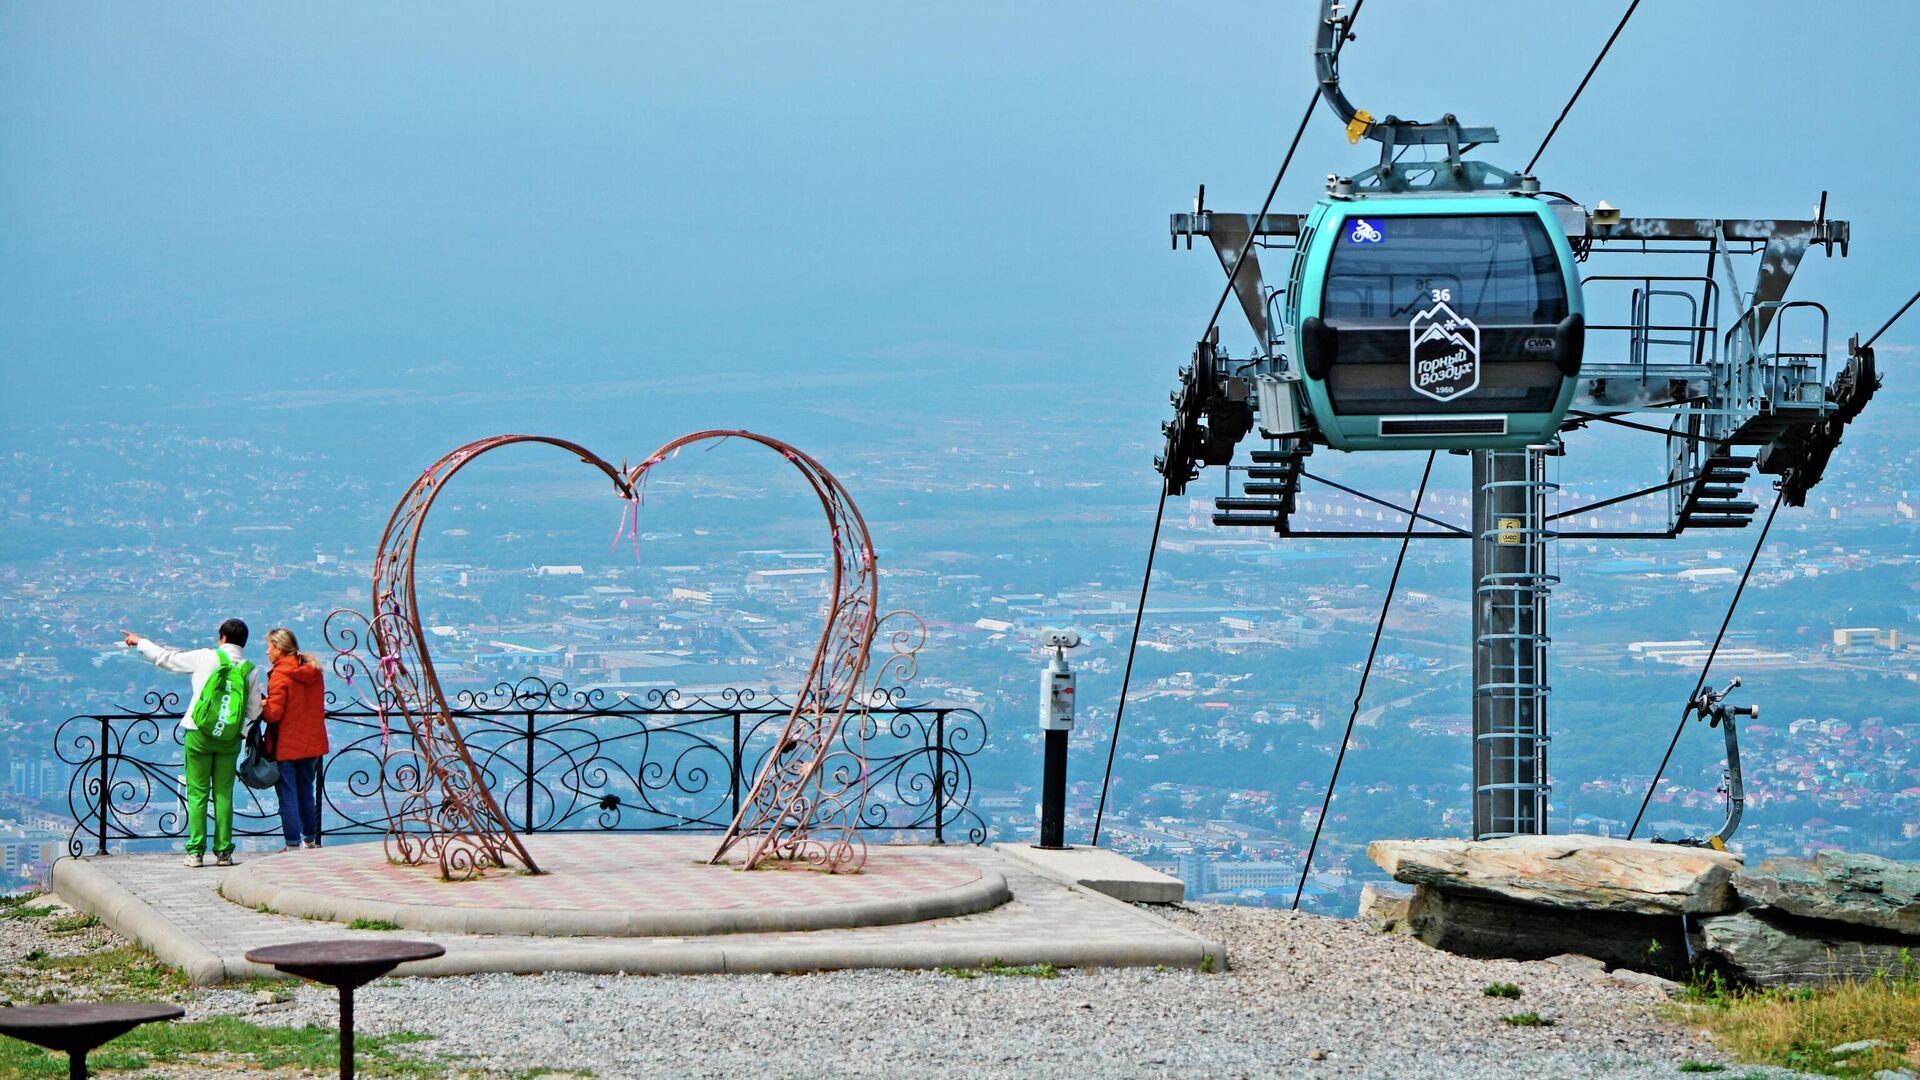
x=1213 y=320
x=1583 y=85
x=1126 y=677
x=1889 y=323
x=1366 y=671
x=1707 y=668
x=1711 y=653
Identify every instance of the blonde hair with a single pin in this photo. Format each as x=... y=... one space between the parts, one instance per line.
x=282 y=638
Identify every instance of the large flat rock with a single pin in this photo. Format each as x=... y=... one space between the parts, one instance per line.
x=1576 y=873
x=1861 y=890
x=1494 y=928
x=1783 y=950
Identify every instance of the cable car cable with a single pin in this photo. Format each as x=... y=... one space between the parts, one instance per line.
x=1583 y=85
x=1890 y=322
x=1126 y=679
x=1359 y=693
x=1675 y=741
x=1706 y=668
x=1233 y=275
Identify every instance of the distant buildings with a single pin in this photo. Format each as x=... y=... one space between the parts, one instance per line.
x=1865 y=637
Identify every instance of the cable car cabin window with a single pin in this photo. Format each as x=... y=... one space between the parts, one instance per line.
x=1499 y=272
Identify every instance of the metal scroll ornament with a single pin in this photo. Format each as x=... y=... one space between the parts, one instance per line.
x=805 y=806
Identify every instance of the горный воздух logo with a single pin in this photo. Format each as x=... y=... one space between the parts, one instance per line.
x=1443 y=350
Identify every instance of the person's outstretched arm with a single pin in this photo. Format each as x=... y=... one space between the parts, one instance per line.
x=182 y=661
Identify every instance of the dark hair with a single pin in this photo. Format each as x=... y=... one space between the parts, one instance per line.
x=235 y=632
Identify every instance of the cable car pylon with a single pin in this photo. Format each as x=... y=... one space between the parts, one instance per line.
x=1444 y=303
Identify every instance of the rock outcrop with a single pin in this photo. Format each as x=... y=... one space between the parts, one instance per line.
x=1835 y=886
x=1580 y=873
x=1656 y=907
x=1494 y=928
x=1782 y=950
x=1385 y=910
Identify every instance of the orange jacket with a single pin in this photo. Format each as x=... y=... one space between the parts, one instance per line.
x=296 y=710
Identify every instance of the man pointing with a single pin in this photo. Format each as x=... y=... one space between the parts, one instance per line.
x=226 y=699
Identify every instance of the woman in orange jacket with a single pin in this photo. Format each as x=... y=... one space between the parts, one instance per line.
x=296 y=715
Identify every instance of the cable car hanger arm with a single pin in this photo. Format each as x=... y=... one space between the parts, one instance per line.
x=1392 y=131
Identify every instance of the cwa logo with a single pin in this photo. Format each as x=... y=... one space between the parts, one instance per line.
x=1443 y=350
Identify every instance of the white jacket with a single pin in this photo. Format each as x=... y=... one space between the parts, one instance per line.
x=200 y=663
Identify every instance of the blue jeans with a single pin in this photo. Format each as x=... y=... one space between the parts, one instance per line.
x=299 y=800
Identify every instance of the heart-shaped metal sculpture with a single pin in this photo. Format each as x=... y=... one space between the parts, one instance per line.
x=805 y=805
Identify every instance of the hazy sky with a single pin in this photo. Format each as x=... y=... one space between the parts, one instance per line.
x=247 y=200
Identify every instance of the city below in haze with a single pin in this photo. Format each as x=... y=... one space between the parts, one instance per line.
x=260 y=267
x=1250 y=645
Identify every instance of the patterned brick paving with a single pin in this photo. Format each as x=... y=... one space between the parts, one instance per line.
x=612 y=873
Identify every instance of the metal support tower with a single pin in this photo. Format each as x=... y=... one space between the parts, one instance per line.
x=1710 y=388
x=1510 y=587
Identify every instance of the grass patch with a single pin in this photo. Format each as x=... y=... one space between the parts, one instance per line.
x=1701 y=1067
x=995 y=967
x=312 y=1050
x=1526 y=1019
x=1206 y=964
x=1501 y=990
x=122 y=968
x=372 y=924
x=22 y=907
x=73 y=924
x=1798 y=1028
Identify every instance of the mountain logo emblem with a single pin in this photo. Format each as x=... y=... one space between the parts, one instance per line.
x=1443 y=353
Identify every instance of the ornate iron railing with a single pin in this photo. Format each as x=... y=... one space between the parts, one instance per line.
x=558 y=761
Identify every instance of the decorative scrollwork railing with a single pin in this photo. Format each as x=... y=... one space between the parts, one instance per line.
x=557 y=760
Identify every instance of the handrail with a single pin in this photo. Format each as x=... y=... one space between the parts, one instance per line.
x=1702 y=330
x=560 y=760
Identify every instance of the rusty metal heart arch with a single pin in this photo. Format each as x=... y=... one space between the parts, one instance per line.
x=806 y=803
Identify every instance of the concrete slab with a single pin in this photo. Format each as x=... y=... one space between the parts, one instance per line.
x=1101 y=870
x=180 y=915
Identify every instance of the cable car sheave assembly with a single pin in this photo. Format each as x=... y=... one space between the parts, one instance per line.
x=1444 y=303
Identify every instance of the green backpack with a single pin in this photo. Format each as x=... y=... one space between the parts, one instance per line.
x=221 y=710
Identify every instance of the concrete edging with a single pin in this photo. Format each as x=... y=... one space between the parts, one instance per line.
x=1100 y=869
x=988 y=891
x=1202 y=947
x=78 y=883
x=783 y=958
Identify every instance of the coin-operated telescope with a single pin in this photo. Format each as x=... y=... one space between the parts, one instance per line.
x=1056 y=723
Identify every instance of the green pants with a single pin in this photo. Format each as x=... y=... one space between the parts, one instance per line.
x=209 y=775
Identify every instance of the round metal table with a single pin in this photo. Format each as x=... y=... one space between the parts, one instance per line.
x=344 y=964
x=77 y=1028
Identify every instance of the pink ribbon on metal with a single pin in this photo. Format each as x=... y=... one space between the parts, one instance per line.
x=389 y=664
x=630 y=521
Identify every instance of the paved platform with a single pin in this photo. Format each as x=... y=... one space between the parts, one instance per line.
x=615 y=886
x=180 y=915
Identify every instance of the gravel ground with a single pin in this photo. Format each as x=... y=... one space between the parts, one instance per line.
x=1308 y=996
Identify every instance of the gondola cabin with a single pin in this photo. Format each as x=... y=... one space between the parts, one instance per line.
x=1435 y=321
